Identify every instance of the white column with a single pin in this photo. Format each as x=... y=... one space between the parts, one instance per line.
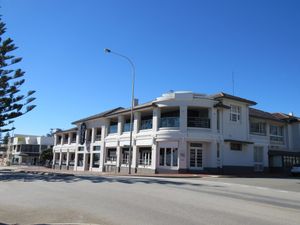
x=134 y=156
x=118 y=156
x=53 y=160
x=137 y=119
x=93 y=135
x=76 y=159
x=183 y=119
x=91 y=160
x=104 y=130
x=182 y=154
x=154 y=156
x=213 y=119
x=84 y=159
x=156 y=119
x=68 y=159
x=69 y=138
x=60 y=159
x=120 y=124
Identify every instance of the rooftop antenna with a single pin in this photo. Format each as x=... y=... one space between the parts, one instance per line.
x=232 y=78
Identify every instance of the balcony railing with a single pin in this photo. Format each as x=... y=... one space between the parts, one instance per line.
x=126 y=127
x=146 y=124
x=198 y=122
x=169 y=122
x=113 y=129
x=277 y=139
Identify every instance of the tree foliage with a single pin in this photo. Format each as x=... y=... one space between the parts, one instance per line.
x=12 y=103
x=46 y=156
x=6 y=138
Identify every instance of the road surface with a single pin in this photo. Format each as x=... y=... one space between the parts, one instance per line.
x=110 y=200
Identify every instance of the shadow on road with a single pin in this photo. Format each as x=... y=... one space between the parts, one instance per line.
x=8 y=176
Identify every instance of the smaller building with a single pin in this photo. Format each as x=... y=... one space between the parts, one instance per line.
x=27 y=149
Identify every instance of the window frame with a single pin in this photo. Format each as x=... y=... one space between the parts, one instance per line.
x=235 y=112
x=232 y=148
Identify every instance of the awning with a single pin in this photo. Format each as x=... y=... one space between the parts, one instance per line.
x=239 y=141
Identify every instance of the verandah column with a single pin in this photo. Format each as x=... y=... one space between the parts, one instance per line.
x=68 y=159
x=136 y=122
x=53 y=160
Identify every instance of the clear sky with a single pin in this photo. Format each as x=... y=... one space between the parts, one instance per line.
x=175 y=45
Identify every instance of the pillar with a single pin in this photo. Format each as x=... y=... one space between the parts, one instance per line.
x=183 y=119
x=156 y=119
x=60 y=159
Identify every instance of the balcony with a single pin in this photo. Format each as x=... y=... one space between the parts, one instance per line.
x=146 y=124
x=198 y=122
x=170 y=117
x=277 y=140
x=113 y=129
x=126 y=127
x=169 y=122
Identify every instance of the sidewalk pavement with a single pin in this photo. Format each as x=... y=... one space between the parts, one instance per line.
x=49 y=171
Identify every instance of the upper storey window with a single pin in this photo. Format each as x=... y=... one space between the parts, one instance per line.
x=113 y=127
x=198 y=117
x=257 y=127
x=235 y=113
x=276 y=134
x=170 y=118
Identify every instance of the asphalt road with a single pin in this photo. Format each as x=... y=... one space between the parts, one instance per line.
x=32 y=199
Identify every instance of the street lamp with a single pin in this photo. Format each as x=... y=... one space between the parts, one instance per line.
x=106 y=50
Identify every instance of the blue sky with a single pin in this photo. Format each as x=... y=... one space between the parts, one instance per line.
x=175 y=45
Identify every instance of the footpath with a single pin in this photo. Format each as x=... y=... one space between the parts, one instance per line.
x=54 y=172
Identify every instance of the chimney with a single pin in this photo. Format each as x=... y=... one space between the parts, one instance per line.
x=135 y=102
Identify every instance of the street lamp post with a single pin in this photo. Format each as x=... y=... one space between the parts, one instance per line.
x=106 y=50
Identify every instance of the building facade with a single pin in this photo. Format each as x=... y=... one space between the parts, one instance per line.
x=178 y=132
x=26 y=149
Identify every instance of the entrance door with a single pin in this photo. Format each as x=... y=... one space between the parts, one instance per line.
x=258 y=158
x=196 y=156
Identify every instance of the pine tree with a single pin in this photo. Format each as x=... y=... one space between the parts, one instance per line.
x=13 y=103
x=6 y=138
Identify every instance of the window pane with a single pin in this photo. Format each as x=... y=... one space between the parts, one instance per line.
x=175 y=157
x=80 y=160
x=162 y=157
x=168 y=157
x=96 y=160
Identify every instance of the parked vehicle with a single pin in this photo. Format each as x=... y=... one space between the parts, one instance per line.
x=295 y=170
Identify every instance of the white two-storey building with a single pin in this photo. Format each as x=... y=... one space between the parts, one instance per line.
x=181 y=131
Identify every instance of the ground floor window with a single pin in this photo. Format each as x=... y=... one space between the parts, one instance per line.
x=80 y=159
x=57 y=155
x=125 y=156
x=196 y=155
x=111 y=155
x=96 y=160
x=168 y=157
x=72 y=159
x=145 y=156
x=64 y=159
